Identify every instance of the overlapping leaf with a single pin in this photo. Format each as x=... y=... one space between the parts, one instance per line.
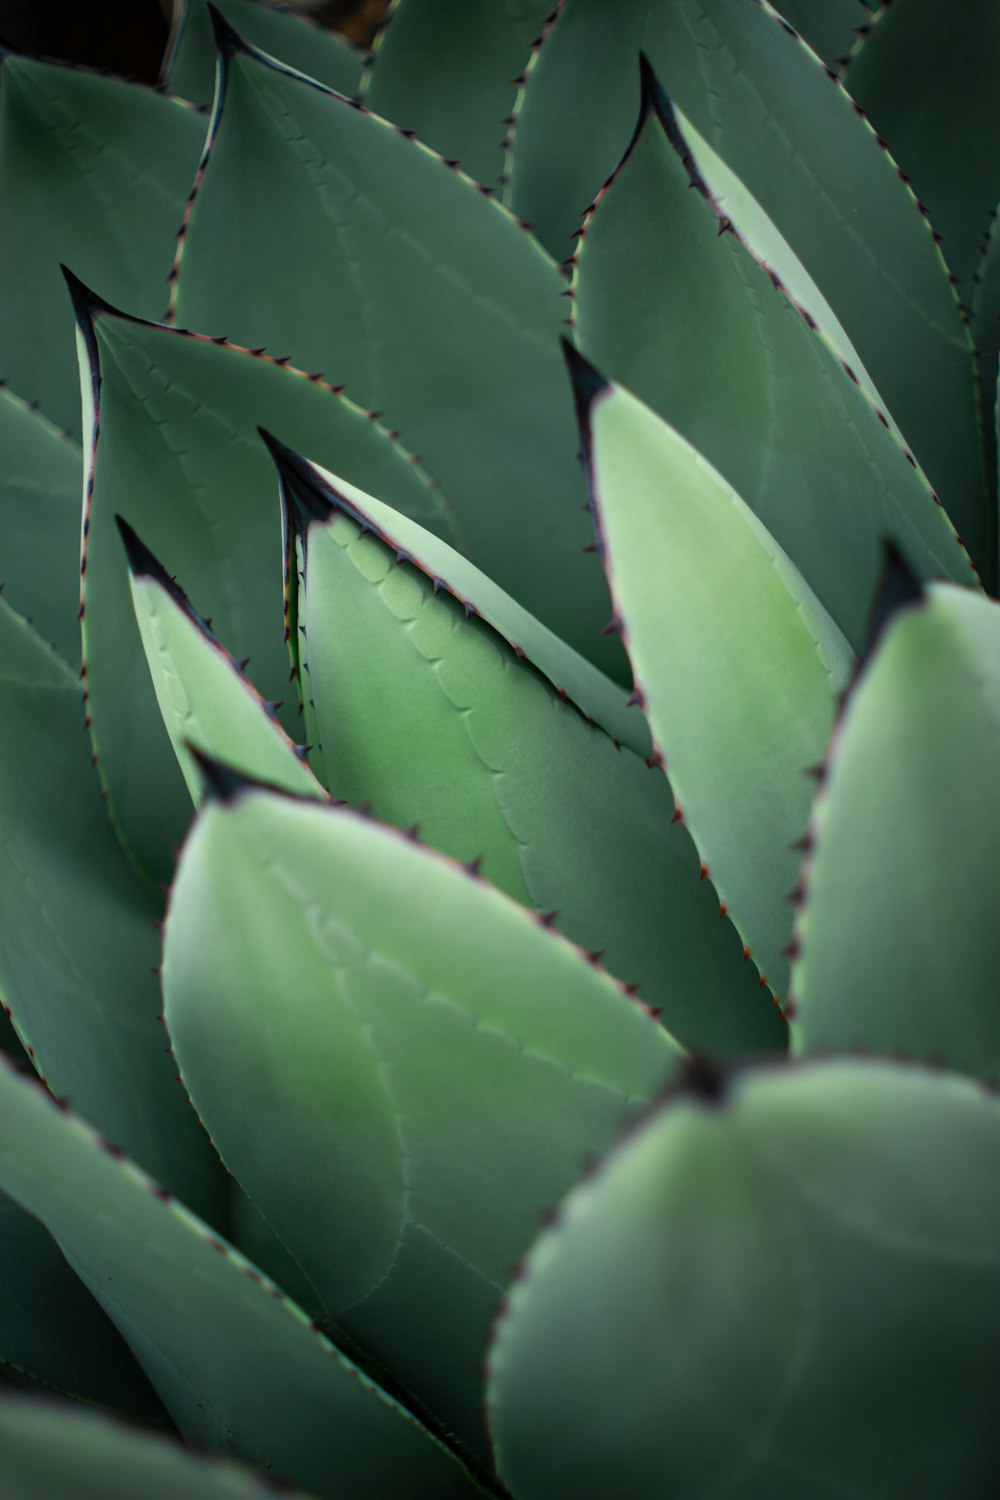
x=402 y=1067
x=175 y=451
x=206 y=700
x=782 y=1294
x=449 y=71
x=189 y=66
x=94 y=172
x=898 y=939
x=391 y=271
x=736 y=661
x=767 y=387
x=238 y=1366
x=77 y=938
x=428 y=716
x=764 y=102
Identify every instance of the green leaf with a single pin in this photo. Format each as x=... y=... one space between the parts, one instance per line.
x=779 y=1294
x=94 y=172
x=40 y=485
x=207 y=701
x=78 y=944
x=772 y=394
x=174 y=449
x=736 y=661
x=402 y=1067
x=927 y=79
x=764 y=102
x=52 y=1451
x=898 y=938
x=393 y=272
x=238 y=1366
x=429 y=716
x=52 y=1329
x=449 y=72
x=829 y=26
x=189 y=65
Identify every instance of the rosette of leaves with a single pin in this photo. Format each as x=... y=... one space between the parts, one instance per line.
x=552 y=1052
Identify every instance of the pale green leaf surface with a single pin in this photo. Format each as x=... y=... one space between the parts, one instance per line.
x=829 y=26
x=77 y=938
x=763 y=101
x=237 y=1365
x=40 y=486
x=927 y=78
x=180 y=458
x=402 y=1067
x=738 y=662
x=898 y=937
x=428 y=717
x=571 y=674
x=206 y=700
x=94 y=172
x=448 y=68
x=313 y=49
x=52 y=1329
x=390 y=271
x=783 y=1294
x=688 y=320
x=52 y=1451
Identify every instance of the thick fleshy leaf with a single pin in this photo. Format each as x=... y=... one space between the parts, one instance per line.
x=77 y=930
x=450 y=71
x=785 y=1293
x=390 y=270
x=767 y=387
x=238 y=1366
x=52 y=1450
x=429 y=717
x=40 y=484
x=189 y=66
x=402 y=1067
x=94 y=172
x=206 y=699
x=898 y=937
x=179 y=457
x=570 y=673
x=829 y=26
x=736 y=661
x=927 y=78
x=52 y=1329
x=766 y=104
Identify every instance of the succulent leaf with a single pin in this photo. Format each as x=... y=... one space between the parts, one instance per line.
x=77 y=939
x=52 y=1329
x=390 y=270
x=733 y=1292
x=175 y=451
x=189 y=66
x=449 y=71
x=897 y=941
x=238 y=1366
x=792 y=134
x=40 y=484
x=52 y=1450
x=94 y=172
x=831 y=27
x=431 y=718
x=736 y=660
x=689 y=319
x=207 y=701
x=926 y=78
x=439 y=1069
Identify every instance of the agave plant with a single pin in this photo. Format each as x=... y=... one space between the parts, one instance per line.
x=551 y=1054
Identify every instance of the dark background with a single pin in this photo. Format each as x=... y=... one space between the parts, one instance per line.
x=128 y=36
